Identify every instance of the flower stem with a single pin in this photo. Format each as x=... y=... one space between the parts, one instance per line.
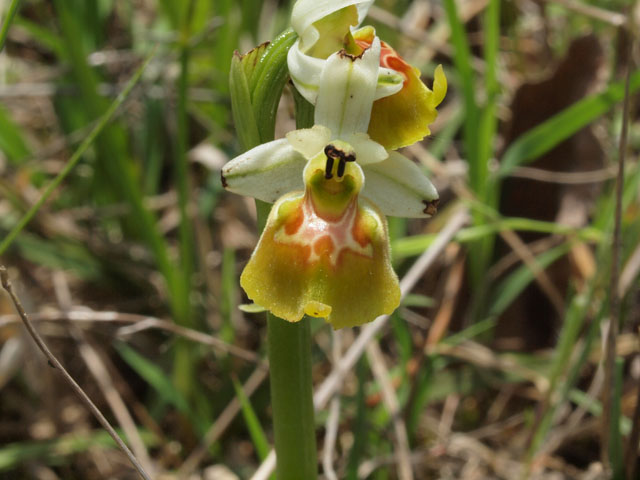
x=292 y=398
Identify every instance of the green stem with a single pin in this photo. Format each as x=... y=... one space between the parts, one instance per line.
x=185 y=358
x=292 y=398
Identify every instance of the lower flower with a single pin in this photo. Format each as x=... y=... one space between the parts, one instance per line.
x=325 y=252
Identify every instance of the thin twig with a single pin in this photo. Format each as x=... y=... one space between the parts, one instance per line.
x=53 y=361
x=614 y=18
x=140 y=323
x=614 y=298
x=630 y=272
x=390 y=399
x=565 y=178
x=193 y=335
x=100 y=373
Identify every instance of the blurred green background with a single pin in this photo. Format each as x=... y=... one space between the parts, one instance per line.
x=130 y=267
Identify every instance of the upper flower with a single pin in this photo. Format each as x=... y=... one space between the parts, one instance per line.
x=404 y=106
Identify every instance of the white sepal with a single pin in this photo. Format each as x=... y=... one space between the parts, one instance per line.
x=399 y=187
x=306 y=12
x=309 y=141
x=347 y=89
x=265 y=172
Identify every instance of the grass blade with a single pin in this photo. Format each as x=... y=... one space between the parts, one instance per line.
x=462 y=60
x=154 y=376
x=12 y=143
x=75 y=158
x=258 y=436
x=11 y=12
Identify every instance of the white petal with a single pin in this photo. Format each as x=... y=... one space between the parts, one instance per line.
x=347 y=89
x=367 y=151
x=309 y=141
x=265 y=172
x=306 y=12
x=305 y=72
x=399 y=187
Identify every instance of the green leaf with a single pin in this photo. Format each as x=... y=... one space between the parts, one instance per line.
x=12 y=143
x=516 y=282
x=258 y=436
x=101 y=124
x=154 y=376
x=6 y=22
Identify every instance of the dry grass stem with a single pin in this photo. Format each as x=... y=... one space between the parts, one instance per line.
x=614 y=299
x=139 y=323
x=566 y=178
x=100 y=373
x=629 y=272
x=614 y=18
x=117 y=405
x=540 y=275
x=390 y=399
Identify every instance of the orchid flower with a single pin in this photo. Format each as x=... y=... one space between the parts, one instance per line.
x=324 y=251
x=404 y=107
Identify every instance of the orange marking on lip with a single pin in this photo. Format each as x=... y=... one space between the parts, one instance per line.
x=294 y=223
x=323 y=246
x=359 y=233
